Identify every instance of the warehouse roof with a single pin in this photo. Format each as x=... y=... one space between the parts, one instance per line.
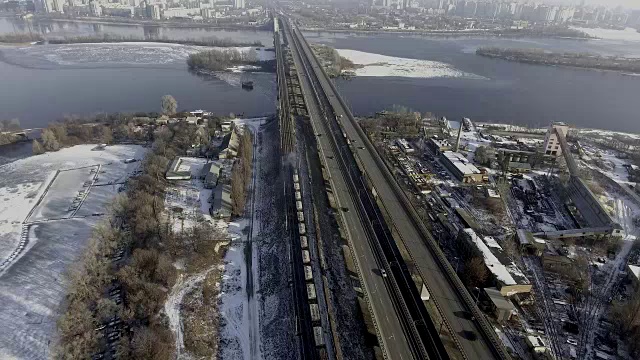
x=495 y=260
x=461 y=163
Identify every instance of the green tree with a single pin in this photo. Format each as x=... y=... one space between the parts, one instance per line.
x=169 y=105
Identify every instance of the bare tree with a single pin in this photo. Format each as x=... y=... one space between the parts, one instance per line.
x=61 y=133
x=49 y=140
x=627 y=314
x=482 y=155
x=169 y=105
x=238 y=190
x=106 y=135
x=106 y=309
x=10 y=125
x=37 y=148
x=475 y=272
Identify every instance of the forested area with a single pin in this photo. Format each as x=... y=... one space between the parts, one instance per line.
x=133 y=254
x=333 y=63
x=111 y=38
x=542 y=57
x=219 y=60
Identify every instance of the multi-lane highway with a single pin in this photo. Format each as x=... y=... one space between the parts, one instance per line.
x=474 y=336
x=379 y=297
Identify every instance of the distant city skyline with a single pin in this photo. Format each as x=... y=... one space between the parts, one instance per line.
x=630 y=4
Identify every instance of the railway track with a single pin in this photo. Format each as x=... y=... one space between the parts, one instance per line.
x=310 y=345
x=420 y=331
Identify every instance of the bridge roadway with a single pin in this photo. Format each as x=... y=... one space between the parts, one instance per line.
x=474 y=335
x=379 y=297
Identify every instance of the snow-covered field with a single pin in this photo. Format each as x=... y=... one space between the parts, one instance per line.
x=382 y=65
x=35 y=257
x=118 y=54
x=65 y=193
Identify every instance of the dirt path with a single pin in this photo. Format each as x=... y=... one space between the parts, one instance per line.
x=173 y=303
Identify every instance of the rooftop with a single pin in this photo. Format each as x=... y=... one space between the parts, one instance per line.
x=461 y=163
x=535 y=341
x=635 y=270
x=495 y=260
x=498 y=300
x=441 y=143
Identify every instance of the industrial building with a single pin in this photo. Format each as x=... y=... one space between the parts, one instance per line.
x=462 y=168
x=210 y=174
x=510 y=280
x=634 y=276
x=175 y=172
x=221 y=206
x=403 y=144
x=500 y=307
x=551 y=142
x=439 y=146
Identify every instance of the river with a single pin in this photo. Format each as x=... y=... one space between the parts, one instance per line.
x=48 y=82
x=502 y=91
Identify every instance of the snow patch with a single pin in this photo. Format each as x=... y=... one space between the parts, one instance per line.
x=382 y=65
x=628 y=34
x=122 y=54
x=174 y=302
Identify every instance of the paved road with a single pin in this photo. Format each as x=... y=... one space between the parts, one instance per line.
x=390 y=331
x=469 y=334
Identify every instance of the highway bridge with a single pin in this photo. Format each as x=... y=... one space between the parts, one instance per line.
x=386 y=233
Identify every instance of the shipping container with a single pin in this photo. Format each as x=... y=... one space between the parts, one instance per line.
x=308 y=273
x=318 y=335
x=315 y=312
x=311 y=291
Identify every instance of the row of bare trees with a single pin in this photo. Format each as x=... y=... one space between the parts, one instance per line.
x=241 y=173
x=138 y=226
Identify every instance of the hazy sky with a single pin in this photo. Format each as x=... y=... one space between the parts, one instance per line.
x=632 y=4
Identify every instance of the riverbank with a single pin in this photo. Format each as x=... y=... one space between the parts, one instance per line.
x=159 y=23
x=514 y=34
x=15 y=39
x=578 y=60
x=234 y=60
x=334 y=64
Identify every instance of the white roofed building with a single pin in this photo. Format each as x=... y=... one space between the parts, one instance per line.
x=462 y=168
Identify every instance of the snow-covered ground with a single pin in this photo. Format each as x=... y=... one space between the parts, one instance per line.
x=239 y=331
x=382 y=65
x=234 y=332
x=119 y=54
x=628 y=34
x=188 y=195
x=172 y=306
x=32 y=283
